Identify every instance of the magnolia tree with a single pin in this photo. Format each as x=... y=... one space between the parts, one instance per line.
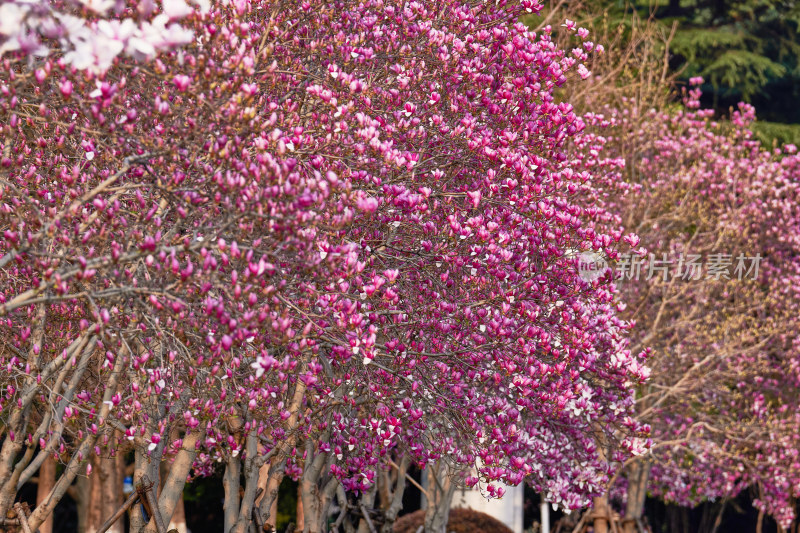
x=716 y=299
x=302 y=239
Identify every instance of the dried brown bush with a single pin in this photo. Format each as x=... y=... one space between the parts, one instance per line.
x=461 y=521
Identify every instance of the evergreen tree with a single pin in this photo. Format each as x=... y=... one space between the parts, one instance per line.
x=746 y=49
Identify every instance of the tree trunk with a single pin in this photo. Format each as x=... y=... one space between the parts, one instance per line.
x=273 y=512
x=274 y=473
x=270 y=476
x=231 y=482
x=14 y=470
x=638 y=473
x=300 y=514
x=110 y=477
x=718 y=520
x=172 y=492
x=394 y=502
x=119 y=495
x=17 y=423
x=367 y=501
x=315 y=499
x=47 y=478
x=82 y=497
x=141 y=462
x=760 y=523
x=94 y=507
x=440 y=495
x=178 y=521
x=102 y=492
x=251 y=473
x=678 y=518
x=80 y=457
x=385 y=481
x=600 y=507
x=344 y=519
x=317 y=488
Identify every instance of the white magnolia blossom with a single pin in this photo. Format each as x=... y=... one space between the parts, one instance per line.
x=100 y=7
x=29 y=26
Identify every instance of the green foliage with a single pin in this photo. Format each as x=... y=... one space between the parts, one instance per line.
x=204 y=490
x=287 y=504
x=745 y=49
x=692 y=42
x=776 y=134
x=746 y=71
x=203 y=503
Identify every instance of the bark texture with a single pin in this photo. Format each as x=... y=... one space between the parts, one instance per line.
x=47 y=478
x=440 y=495
x=638 y=474
x=600 y=509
